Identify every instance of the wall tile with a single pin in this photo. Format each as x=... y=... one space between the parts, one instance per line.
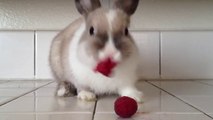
x=173 y=15
x=187 y=55
x=43 y=43
x=38 y=14
x=17 y=55
x=148 y=44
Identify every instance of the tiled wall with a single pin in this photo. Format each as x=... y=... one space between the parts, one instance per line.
x=150 y=15
x=174 y=37
x=166 y=55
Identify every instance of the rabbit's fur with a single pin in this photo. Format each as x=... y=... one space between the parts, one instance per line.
x=95 y=36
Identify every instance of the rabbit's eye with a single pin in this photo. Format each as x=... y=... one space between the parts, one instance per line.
x=126 y=32
x=91 y=31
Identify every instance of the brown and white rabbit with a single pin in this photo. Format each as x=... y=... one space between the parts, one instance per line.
x=97 y=35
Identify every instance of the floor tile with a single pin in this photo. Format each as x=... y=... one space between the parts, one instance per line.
x=17 y=116
x=42 y=82
x=31 y=104
x=10 y=94
x=24 y=84
x=4 y=99
x=203 y=103
x=170 y=104
x=159 y=105
x=12 y=90
x=23 y=104
x=156 y=101
x=47 y=102
x=47 y=91
x=207 y=82
x=197 y=94
x=68 y=104
x=185 y=87
x=70 y=116
x=147 y=116
x=5 y=92
x=152 y=100
x=66 y=116
x=18 y=84
x=3 y=81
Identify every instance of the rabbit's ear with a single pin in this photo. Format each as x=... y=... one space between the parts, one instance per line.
x=128 y=6
x=86 y=6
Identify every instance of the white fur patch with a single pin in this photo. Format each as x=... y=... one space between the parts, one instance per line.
x=110 y=50
x=84 y=77
x=110 y=17
x=86 y=95
x=61 y=92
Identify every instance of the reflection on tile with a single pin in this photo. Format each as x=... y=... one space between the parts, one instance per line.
x=42 y=82
x=170 y=104
x=207 y=82
x=156 y=101
x=67 y=116
x=68 y=104
x=4 y=99
x=197 y=94
x=32 y=103
x=106 y=104
x=5 y=92
x=17 y=116
x=24 y=84
x=23 y=104
x=185 y=87
x=3 y=81
x=159 y=105
x=18 y=84
x=148 y=116
x=45 y=92
x=9 y=94
x=14 y=89
x=203 y=103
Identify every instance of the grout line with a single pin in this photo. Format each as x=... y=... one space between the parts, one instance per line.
x=160 y=53
x=180 y=99
x=35 y=53
x=4 y=82
x=94 y=111
x=34 y=99
x=201 y=82
x=12 y=99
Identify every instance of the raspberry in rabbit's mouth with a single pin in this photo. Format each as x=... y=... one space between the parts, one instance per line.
x=105 y=67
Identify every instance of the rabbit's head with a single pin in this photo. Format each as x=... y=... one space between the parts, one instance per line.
x=106 y=32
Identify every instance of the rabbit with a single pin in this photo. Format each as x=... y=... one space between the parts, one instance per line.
x=96 y=35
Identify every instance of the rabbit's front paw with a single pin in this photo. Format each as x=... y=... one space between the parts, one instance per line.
x=133 y=93
x=86 y=95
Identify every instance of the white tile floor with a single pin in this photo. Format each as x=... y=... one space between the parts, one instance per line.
x=164 y=100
